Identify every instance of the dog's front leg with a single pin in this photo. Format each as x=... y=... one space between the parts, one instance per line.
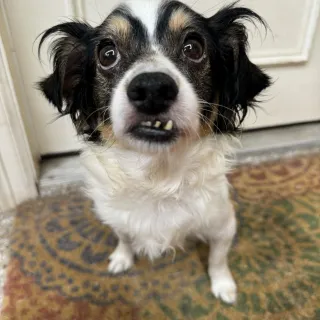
x=222 y=284
x=122 y=257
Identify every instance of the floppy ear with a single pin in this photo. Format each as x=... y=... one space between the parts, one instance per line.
x=69 y=87
x=240 y=81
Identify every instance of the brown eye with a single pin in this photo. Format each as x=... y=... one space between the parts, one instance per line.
x=193 y=49
x=109 y=56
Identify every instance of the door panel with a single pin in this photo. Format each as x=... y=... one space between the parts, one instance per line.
x=290 y=53
x=26 y=20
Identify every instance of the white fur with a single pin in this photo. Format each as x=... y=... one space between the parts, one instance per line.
x=153 y=202
x=154 y=196
x=184 y=111
x=147 y=12
x=121 y=259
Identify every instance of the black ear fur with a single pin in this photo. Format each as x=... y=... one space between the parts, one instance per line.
x=69 y=87
x=68 y=53
x=240 y=81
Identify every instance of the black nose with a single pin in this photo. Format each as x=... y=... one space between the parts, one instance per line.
x=153 y=92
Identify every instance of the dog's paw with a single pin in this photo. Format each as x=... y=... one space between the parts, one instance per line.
x=119 y=261
x=224 y=288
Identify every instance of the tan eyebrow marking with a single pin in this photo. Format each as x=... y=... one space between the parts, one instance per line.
x=179 y=19
x=119 y=26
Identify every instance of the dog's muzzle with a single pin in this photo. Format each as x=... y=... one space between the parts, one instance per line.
x=152 y=94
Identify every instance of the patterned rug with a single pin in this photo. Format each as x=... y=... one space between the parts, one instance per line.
x=59 y=257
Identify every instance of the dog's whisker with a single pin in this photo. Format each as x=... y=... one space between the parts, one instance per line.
x=213 y=7
x=221 y=115
x=215 y=104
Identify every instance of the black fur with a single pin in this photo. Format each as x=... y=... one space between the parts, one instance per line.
x=239 y=80
x=231 y=82
x=70 y=87
x=77 y=87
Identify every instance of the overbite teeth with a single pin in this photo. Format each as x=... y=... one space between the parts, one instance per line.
x=157 y=124
x=169 y=125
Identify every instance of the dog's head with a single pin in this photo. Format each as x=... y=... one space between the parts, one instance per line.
x=154 y=73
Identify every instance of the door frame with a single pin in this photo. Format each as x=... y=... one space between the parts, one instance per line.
x=18 y=173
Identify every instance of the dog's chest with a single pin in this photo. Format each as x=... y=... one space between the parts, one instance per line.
x=154 y=209
x=154 y=222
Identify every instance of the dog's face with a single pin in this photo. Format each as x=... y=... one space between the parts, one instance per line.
x=154 y=74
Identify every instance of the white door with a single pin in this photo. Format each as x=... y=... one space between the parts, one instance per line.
x=291 y=54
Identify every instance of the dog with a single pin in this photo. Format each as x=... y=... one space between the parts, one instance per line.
x=157 y=91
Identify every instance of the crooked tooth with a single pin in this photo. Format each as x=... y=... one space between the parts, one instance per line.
x=169 y=125
x=157 y=124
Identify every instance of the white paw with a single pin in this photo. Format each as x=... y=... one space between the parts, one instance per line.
x=120 y=261
x=224 y=287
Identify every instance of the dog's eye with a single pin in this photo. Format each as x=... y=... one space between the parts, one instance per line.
x=193 y=49
x=108 y=56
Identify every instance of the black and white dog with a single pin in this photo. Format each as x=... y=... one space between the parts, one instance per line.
x=157 y=91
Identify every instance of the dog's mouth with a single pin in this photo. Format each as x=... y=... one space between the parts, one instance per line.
x=155 y=131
